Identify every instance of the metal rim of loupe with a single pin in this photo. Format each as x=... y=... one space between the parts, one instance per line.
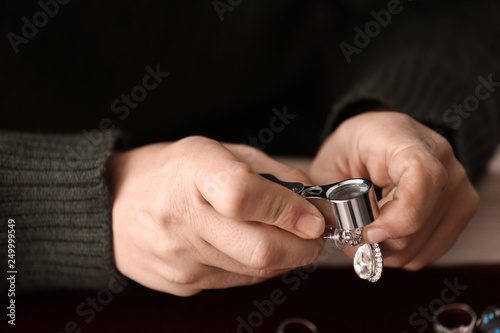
x=362 y=185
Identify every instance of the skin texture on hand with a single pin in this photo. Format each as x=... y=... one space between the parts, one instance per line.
x=195 y=214
x=427 y=198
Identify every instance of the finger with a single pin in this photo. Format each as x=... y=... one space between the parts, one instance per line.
x=401 y=251
x=204 y=277
x=447 y=231
x=260 y=162
x=236 y=192
x=420 y=179
x=209 y=255
x=426 y=245
x=259 y=246
x=398 y=252
x=216 y=278
x=327 y=170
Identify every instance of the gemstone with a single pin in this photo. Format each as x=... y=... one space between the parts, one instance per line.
x=363 y=261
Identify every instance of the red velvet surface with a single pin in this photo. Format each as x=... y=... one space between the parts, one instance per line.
x=336 y=300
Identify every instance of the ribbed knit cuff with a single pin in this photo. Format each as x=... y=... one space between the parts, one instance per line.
x=53 y=187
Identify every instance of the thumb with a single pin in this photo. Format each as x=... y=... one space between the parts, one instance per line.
x=247 y=196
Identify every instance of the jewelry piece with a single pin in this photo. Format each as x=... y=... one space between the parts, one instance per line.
x=297 y=323
x=345 y=238
x=454 y=318
x=352 y=237
x=347 y=206
x=489 y=321
x=368 y=262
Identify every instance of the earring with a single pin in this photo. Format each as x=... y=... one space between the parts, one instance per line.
x=368 y=260
x=347 y=206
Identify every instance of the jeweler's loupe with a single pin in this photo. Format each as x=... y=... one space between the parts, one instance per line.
x=347 y=207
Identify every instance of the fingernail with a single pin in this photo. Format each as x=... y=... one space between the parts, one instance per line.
x=310 y=225
x=376 y=235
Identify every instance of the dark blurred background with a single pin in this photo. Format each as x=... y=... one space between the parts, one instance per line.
x=225 y=76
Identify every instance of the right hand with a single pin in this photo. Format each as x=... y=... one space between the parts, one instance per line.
x=195 y=214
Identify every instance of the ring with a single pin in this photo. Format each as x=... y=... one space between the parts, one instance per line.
x=297 y=321
x=453 y=318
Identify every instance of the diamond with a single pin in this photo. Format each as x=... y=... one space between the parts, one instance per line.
x=368 y=262
x=363 y=262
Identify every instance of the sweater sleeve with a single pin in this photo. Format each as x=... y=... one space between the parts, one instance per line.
x=53 y=187
x=439 y=63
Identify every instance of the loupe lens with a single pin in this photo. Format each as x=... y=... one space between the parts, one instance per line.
x=349 y=191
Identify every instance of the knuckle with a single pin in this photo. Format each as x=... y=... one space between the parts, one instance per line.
x=295 y=174
x=437 y=172
x=186 y=292
x=194 y=139
x=471 y=206
x=239 y=169
x=235 y=200
x=446 y=150
x=403 y=118
x=183 y=277
x=475 y=200
x=165 y=246
x=265 y=274
x=461 y=173
x=249 y=152
x=235 y=182
x=263 y=256
x=165 y=249
x=470 y=197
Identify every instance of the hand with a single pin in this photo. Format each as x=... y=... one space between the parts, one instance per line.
x=194 y=215
x=427 y=197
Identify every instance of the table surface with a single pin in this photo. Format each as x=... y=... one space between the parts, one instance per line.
x=335 y=299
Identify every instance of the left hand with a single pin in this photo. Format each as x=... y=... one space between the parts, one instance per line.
x=427 y=197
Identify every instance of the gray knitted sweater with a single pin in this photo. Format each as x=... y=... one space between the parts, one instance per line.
x=440 y=66
x=61 y=208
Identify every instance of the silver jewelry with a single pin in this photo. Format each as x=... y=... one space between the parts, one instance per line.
x=304 y=324
x=368 y=262
x=347 y=206
x=456 y=318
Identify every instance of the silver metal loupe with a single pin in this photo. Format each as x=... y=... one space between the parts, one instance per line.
x=347 y=207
